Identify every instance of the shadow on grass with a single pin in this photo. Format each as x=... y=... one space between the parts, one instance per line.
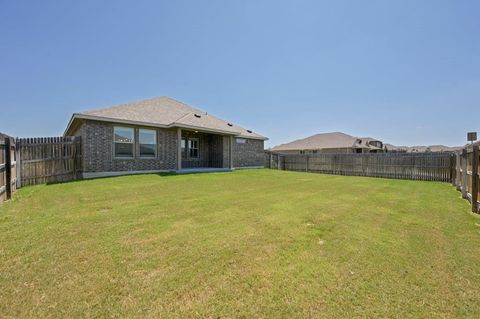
x=163 y=174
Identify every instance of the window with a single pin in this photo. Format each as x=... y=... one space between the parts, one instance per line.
x=184 y=147
x=241 y=141
x=123 y=140
x=193 y=147
x=148 y=142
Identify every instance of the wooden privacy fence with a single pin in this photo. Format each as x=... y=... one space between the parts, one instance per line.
x=48 y=159
x=8 y=168
x=466 y=175
x=415 y=166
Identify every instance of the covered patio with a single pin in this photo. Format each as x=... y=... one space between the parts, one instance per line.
x=203 y=151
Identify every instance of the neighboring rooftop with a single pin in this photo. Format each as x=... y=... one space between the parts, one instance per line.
x=422 y=148
x=327 y=140
x=165 y=112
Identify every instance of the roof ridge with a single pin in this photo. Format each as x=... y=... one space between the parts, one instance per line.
x=184 y=104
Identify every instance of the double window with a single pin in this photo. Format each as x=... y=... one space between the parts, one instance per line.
x=190 y=148
x=124 y=142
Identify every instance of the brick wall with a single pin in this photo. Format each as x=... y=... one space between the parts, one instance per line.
x=97 y=149
x=249 y=154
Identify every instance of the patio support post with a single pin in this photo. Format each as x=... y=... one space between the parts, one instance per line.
x=230 y=155
x=179 y=149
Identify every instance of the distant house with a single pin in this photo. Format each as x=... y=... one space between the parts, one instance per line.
x=161 y=134
x=3 y=136
x=422 y=149
x=335 y=142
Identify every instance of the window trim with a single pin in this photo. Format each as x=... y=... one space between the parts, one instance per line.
x=132 y=143
x=140 y=144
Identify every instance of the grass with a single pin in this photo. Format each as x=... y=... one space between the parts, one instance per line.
x=250 y=244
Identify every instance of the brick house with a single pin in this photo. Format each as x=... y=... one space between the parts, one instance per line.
x=159 y=135
x=336 y=142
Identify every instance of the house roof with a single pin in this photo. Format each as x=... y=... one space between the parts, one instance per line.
x=326 y=140
x=165 y=112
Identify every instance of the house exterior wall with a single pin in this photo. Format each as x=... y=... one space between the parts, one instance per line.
x=98 y=154
x=249 y=154
x=226 y=151
x=214 y=150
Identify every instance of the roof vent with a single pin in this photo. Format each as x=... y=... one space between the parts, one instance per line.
x=229 y=124
x=197 y=115
x=249 y=131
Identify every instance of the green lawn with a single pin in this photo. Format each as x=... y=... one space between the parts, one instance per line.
x=251 y=244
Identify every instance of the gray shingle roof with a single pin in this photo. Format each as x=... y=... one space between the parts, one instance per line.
x=326 y=140
x=167 y=112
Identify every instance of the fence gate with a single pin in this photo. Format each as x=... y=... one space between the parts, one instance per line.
x=48 y=159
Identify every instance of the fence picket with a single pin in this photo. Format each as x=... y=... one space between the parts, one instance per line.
x=48 y=159
x=418 y=166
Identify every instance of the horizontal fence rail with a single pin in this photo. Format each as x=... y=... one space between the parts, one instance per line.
x=49 y=159
x=414 y=166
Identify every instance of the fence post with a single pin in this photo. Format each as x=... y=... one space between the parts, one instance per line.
x=74 y=155
x=8 y=167
x=306 y=163
x=19 y=163
x=453 y=170
x=475 y=179
x=463 y=161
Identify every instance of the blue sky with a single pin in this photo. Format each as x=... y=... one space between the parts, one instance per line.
x=406 y=72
